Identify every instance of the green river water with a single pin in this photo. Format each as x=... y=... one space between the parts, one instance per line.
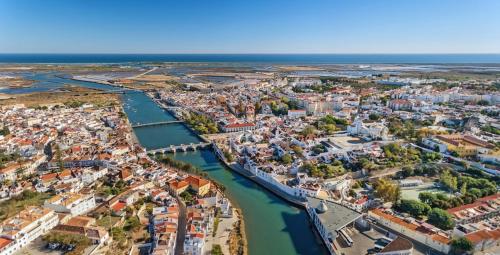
x=272 y=225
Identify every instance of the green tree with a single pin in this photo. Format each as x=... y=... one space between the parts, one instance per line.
x=309 y=130
x=387 y=190
x=229 y=156
x=475 y=192
x=4 y=131
x=374 y=116
x=483 y=102
x=448 y=180
x=441 y=219
x=413 y=207
x=463 y=188
x=119 y=235
x=132 y=224
x=461 y=245
x=328 y=128
x=427 y=197
x=312 y=170
x=286 y=159
x=297 y=149
x=329 y=119
x=431 y=156
x=407 y=171
x=216 y=250
x=258 y=107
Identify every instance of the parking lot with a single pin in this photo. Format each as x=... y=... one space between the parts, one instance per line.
x=37 y=247
x=364 y=241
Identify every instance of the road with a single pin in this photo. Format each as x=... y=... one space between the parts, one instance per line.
x=181 y=227
x=139 y=75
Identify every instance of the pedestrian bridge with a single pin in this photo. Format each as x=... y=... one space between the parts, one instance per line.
x=157 y=123
x=181 y=147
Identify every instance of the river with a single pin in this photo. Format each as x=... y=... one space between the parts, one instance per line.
x=272 y=225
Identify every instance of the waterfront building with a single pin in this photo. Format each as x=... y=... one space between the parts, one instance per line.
x=329 y=219
x=177 y=187
x=197 y=184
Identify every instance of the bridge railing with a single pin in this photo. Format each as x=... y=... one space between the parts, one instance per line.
x=183 y=147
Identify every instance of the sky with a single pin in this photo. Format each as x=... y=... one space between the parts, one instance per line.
x=257 y=26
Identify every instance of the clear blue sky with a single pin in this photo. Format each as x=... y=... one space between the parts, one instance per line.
x=256 y=26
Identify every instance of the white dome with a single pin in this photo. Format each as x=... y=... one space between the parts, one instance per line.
x=322 y=207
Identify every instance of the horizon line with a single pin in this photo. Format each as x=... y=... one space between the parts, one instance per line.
x=253 y=53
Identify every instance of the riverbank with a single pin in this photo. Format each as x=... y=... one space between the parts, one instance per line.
x=237 y=238
x=269 y=224
x=235 y=241
x=235 y=167
x=238 y=169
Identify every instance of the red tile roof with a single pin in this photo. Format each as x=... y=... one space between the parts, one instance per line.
x=4 y=242
x=479 y=202
x=197 y=181
x=118 y=206
x=483 y=235
x=237 y=125
x=178 y=185
x=411 y=226
x=48 y=177
x=398 y=244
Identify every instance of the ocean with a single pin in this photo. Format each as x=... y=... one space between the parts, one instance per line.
x=312 y=59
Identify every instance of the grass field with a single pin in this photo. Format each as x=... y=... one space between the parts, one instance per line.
x=14 y=205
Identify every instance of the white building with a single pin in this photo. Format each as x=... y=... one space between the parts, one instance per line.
x=73 y=203
x=194 y=245
x=372 y=130
x=236 y=127
x=330 y=219
x=89 y=176
x=19 y=230
x=434 y=143
x=296 y=113
x=421 y=232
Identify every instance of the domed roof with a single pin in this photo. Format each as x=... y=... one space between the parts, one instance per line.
x=322 y=207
